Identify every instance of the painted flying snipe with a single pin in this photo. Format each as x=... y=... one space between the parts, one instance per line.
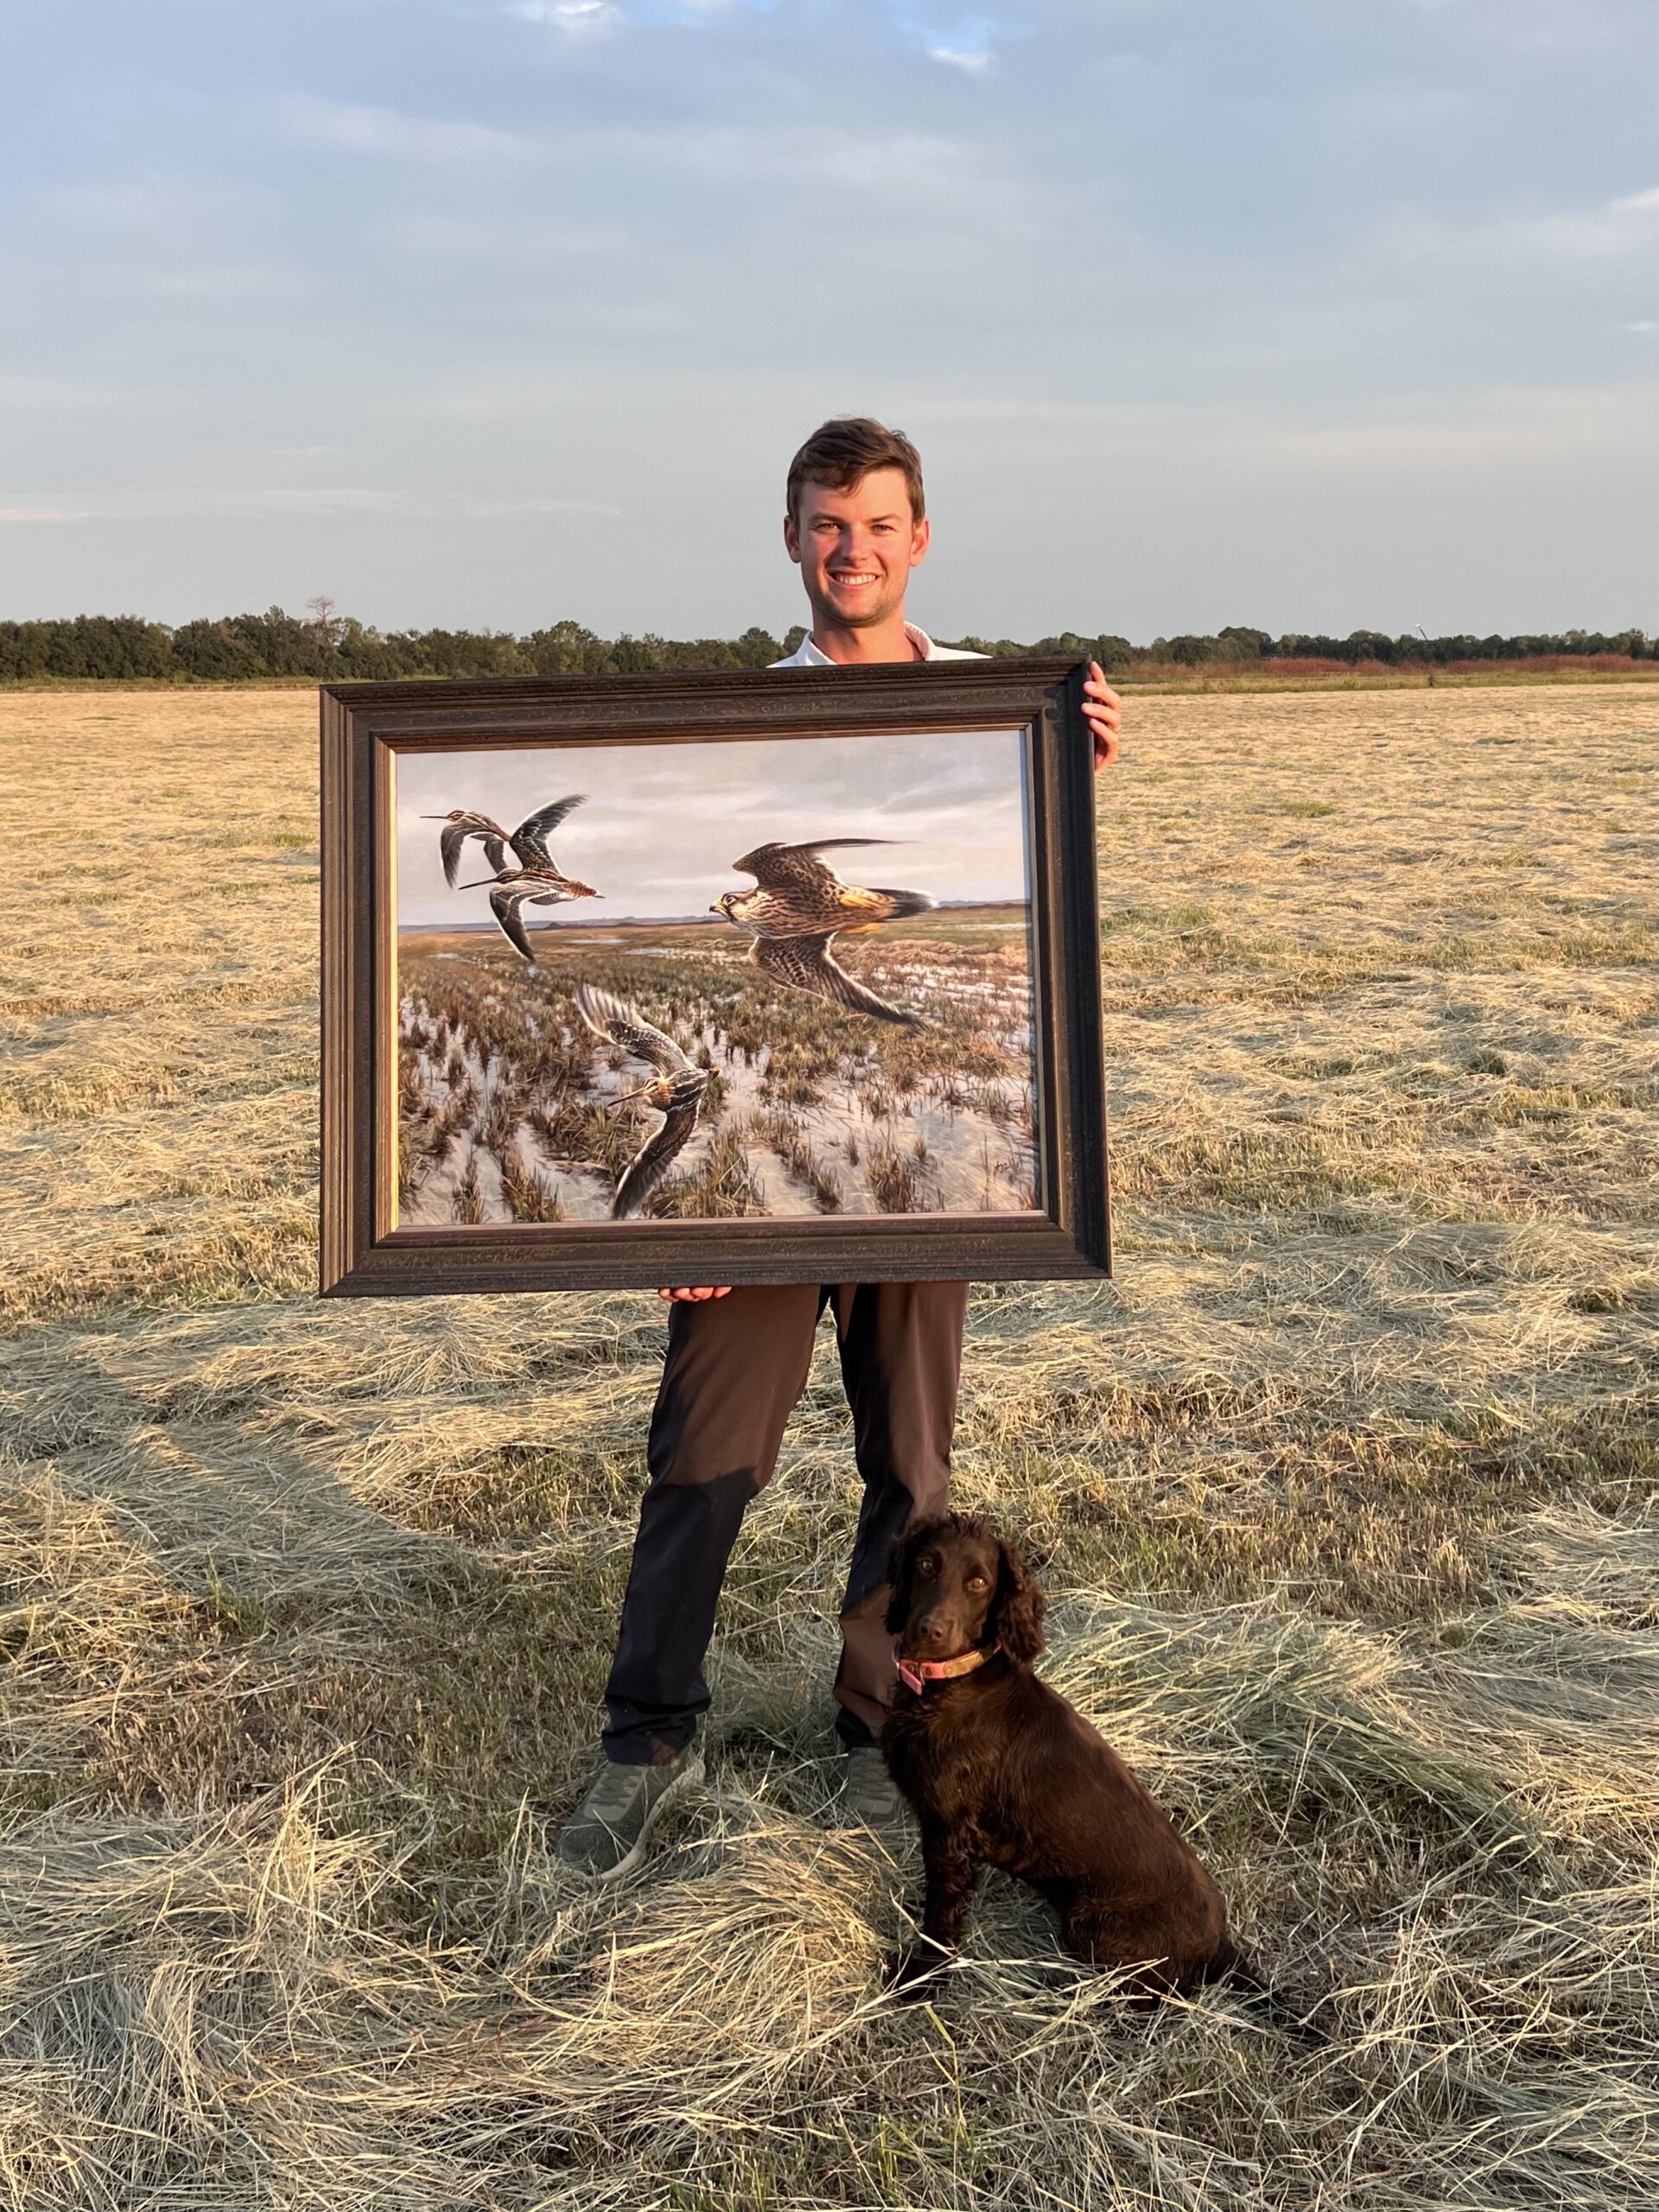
x=798 y=909
x=676 y=1091
x=529 y=840
x=528 y=886
x=537 y=881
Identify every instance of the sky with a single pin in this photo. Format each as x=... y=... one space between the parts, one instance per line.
x=1310 y=314
x=659 y=825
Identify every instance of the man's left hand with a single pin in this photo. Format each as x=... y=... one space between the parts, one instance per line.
x=1104 y=712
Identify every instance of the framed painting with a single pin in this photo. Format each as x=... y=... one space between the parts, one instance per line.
x=769 y=975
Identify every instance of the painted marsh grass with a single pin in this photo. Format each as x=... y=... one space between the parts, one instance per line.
x=1344 y=1494
x=794 y=1075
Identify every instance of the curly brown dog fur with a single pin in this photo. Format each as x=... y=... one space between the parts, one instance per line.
x=1002 y=1772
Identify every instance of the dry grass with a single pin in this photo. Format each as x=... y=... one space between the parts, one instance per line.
x=1344 y=1492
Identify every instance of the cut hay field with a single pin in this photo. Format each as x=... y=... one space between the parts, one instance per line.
x=1344 y=1494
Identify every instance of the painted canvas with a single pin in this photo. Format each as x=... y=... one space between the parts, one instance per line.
x=755 y=978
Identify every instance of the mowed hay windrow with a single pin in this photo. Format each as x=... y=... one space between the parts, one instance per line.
x=1342 y=1493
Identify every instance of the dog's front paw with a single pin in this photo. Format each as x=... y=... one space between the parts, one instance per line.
x=909 y=1970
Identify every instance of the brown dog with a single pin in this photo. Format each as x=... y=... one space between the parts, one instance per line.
x=1002 y=1772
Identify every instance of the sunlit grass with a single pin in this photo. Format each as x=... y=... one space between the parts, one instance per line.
x=1343 y=1492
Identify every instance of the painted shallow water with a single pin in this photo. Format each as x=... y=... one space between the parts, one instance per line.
x=814 y=1110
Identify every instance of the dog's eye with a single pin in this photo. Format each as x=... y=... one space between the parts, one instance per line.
x=978 y=1582
x=929 y=1566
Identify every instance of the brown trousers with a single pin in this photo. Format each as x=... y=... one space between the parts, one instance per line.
x=735 y=1367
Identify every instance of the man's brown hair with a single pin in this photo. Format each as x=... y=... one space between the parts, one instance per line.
x=842 y=452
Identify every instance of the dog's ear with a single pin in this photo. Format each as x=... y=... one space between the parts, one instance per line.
x=900 y=1565
x=1018 y=1608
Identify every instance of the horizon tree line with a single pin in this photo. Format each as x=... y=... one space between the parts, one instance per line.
x=327 y=646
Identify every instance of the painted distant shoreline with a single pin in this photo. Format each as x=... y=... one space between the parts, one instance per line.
x=609 y=922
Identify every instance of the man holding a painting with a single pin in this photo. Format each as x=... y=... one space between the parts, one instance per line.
x=737 y=1360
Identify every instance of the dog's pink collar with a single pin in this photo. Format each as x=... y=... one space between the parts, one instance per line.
x=917 y=1673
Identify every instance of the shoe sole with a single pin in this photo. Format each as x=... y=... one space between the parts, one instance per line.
x=694 y=1772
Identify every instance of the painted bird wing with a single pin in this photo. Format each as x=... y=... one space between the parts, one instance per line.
x=624 y=1025
x=505 y=906
x=653 y=1159
x=451 y=839
x=530 y=839
x=453 y=835
x=806 y=963
x=797 y=868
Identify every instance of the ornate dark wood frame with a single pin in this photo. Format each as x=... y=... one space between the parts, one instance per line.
x=365 y=725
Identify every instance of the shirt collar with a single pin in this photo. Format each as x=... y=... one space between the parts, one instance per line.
x=807 y=655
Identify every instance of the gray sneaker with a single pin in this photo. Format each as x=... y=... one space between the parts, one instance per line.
x=606 y=1834
x=868 y=1797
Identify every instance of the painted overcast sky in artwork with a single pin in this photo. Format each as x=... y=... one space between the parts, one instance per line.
x=661 y=823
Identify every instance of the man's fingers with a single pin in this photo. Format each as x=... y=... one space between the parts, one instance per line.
x=1102 y=727
x=1103 y=709
x=688 y=1297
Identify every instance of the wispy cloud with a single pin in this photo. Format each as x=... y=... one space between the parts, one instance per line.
x=223 y=502
x=578 y=19
x=139 y=203
x=966 y=46
x=212 y=282
x=169 y=210
x=310 y=121
x=1615 y=230
x=513 y=244
x=1431 y=433
x=884 y=163
x=976 y=63
x=599 y=19
x=49 y=394
x=924 y=164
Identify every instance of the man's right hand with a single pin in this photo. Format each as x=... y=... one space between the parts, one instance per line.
x=695 y=1297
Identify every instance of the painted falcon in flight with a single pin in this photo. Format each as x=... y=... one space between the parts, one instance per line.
x=798 y=908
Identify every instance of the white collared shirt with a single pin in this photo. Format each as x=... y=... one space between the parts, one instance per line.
x=807 y=655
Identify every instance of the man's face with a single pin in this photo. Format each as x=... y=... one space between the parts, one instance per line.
x=856 y=548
